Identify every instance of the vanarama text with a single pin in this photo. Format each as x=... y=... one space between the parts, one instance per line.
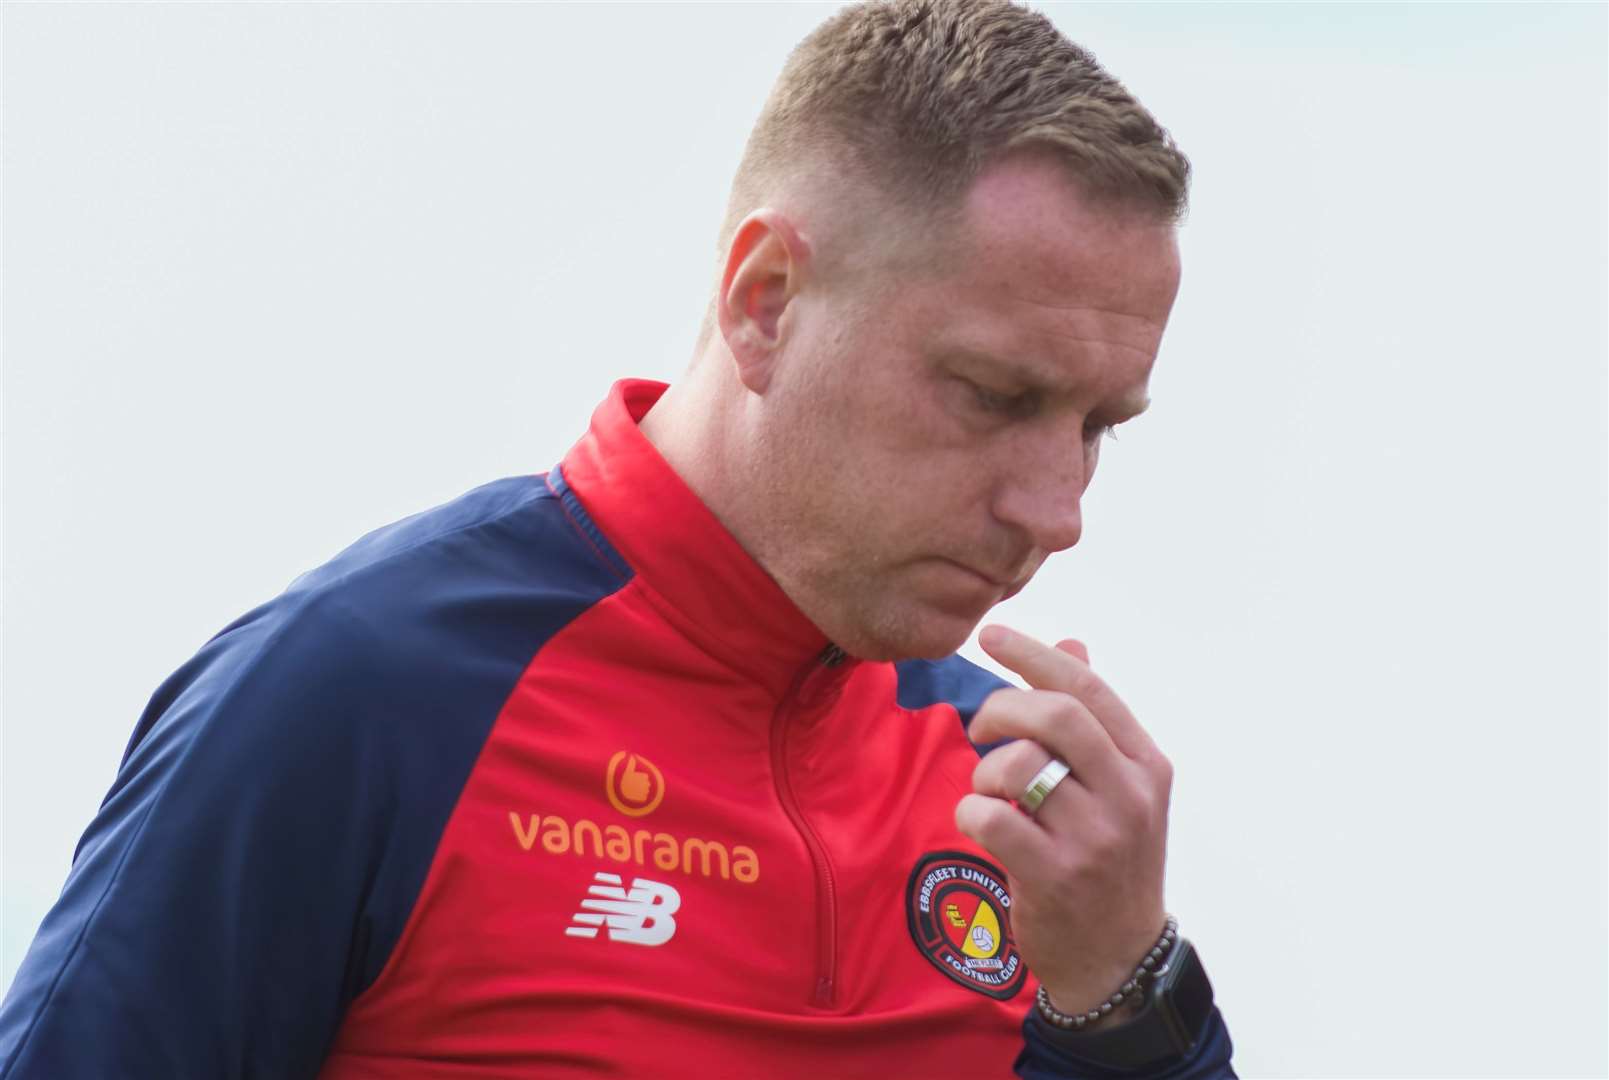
x=691 y=855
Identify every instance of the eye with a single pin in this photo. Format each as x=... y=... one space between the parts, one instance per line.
x=1018 y=405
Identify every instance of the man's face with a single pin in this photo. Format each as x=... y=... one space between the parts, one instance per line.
x=929 y=440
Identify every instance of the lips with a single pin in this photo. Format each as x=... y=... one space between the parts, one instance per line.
x=997 y=582
x=1010 y=582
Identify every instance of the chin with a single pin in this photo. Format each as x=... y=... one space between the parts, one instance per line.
x=930 y=636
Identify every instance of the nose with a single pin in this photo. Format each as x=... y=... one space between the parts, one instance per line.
x=1041 y=494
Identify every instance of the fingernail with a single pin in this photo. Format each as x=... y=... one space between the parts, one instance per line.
x=993 y=636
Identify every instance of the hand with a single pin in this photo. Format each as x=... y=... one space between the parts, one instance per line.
x=1087 y=870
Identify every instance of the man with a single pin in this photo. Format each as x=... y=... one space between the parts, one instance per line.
x=660 y=763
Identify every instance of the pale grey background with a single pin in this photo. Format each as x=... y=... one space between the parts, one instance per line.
x=278 y=274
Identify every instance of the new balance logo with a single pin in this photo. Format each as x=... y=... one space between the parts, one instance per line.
x=640 y=917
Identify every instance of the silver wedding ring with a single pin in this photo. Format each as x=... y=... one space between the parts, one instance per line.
x=1044 y=782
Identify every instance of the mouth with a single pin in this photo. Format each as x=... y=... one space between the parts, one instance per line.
x=987 y=579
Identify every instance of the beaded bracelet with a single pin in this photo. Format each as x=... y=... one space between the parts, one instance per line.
x=1142 y=975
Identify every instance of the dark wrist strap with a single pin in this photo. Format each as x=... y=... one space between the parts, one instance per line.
x=1177 y=1007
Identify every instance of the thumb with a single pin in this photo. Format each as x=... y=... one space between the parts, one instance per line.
x=1074 y=647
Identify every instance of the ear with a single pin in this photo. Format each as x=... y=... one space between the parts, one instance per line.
x=765 y=268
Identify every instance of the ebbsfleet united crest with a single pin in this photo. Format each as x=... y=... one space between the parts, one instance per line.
x=960 y=918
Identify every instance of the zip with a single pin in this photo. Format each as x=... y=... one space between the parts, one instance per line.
x=826 y=888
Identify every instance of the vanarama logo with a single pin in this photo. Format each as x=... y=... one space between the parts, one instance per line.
x=635 y=787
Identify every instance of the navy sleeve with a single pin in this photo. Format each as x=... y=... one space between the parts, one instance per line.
x=210 y=923
x=279 y=804
x=1043 y=1058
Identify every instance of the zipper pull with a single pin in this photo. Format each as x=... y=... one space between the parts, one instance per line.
x=832 y=656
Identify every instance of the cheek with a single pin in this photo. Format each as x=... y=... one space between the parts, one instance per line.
x=928 y=501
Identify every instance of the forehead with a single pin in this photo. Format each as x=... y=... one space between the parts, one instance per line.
x=1040 y=275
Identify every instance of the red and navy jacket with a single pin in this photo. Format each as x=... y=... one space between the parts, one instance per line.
x=552 y=780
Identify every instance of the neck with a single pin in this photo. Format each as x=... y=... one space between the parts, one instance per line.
x=706 y=428
x=698 y=428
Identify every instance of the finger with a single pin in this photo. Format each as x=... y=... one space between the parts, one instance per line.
x=1053 y=669
x=1059 y=723
x=1006 y=773
x=1017 y=759
x=1005 y=832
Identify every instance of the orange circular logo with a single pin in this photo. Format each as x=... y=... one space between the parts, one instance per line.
x=634 y=786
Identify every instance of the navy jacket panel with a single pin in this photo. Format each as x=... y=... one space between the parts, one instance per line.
x=282 y=796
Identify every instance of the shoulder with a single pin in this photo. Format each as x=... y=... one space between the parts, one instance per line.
x=512 y=531
x=954 y=681
x=498 y=570
x=433 y=615
x=284 y=792
x=318 y=744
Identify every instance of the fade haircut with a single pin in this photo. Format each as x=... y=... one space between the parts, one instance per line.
x=908 y=101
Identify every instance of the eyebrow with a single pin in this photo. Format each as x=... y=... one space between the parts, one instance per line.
x=1032 y=376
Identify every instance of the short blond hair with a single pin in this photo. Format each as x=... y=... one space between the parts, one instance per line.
x=920 y=96
x=908 y=101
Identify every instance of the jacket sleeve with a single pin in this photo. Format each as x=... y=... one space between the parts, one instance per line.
x=1043 y=1058
x=213 y=923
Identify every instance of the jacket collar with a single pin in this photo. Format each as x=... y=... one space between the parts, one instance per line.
x=696 y=573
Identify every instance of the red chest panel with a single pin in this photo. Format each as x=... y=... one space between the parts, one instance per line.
x=659 y=867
